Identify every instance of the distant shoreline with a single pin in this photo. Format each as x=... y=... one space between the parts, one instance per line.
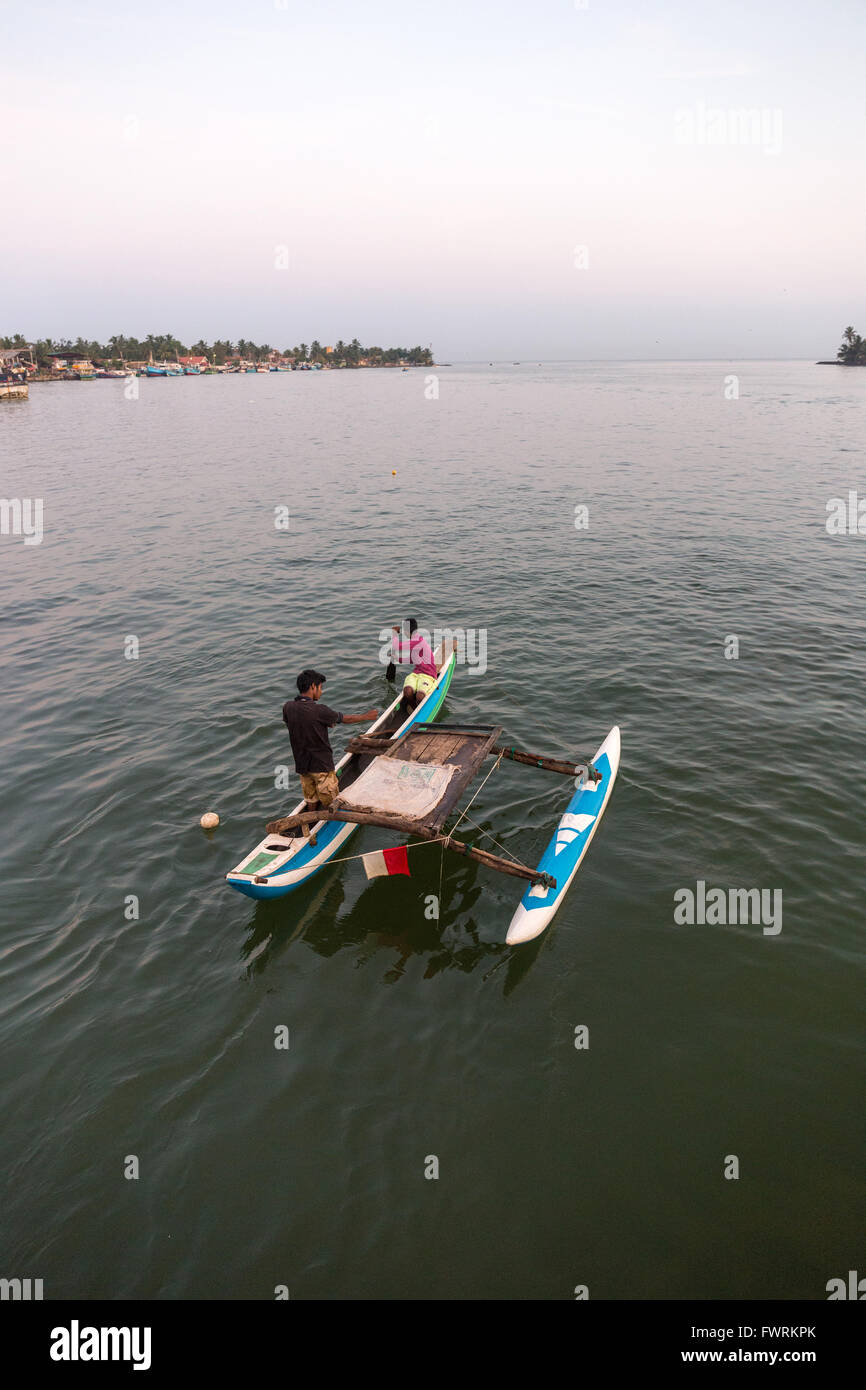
x=166 y=355
x=43 y=378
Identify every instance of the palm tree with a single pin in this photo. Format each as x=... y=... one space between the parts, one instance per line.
x=853 y=349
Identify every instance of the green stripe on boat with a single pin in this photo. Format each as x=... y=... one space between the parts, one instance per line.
x=258 y=862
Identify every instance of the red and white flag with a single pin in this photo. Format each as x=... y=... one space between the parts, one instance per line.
x=386 y=861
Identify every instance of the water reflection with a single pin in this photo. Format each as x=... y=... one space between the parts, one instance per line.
x=388 y=920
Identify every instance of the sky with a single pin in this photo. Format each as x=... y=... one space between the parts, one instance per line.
x=559 y=180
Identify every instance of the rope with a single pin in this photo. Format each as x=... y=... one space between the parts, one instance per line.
x=347 y=858
x=464 y=815
x=504 y=848
x=441 y=872
x=480 y=789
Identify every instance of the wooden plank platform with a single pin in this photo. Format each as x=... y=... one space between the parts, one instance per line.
x=461 y=746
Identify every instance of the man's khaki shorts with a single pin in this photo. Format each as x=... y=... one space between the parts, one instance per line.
x=320 y=786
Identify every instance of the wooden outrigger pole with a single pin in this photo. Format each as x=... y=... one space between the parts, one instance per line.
x=461 y=749
x=410 y=827
x=365 y=743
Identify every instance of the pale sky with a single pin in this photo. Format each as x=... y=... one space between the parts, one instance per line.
x=503 y=180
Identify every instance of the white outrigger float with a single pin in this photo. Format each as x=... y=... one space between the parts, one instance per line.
x=568 y=845
x=409 y=778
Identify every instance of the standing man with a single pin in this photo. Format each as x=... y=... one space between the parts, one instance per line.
x=308 y=722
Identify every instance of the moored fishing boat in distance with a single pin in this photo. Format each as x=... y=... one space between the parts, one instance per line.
x=13 y=390
x=13 y=374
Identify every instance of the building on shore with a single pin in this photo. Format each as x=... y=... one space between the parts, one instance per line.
x=71 y=365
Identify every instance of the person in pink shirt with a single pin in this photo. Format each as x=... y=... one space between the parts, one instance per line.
x=425 y=672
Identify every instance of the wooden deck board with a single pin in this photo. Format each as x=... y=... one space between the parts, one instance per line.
x=463 y=747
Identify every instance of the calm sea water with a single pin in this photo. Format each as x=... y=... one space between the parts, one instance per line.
x=412 y=1038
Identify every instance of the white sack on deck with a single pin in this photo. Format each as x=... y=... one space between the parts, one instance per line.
x=398 y=788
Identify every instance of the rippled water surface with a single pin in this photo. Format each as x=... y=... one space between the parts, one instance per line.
x=411 y=1038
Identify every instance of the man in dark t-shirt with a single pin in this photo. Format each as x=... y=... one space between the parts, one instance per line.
x=308 y=722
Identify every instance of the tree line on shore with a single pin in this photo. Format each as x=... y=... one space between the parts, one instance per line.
x=165 y=347
x=853 y=349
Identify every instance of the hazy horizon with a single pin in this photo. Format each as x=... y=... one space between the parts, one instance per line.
x=570 y=184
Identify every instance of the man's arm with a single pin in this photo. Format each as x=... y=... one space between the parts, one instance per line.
x=331 y=717
x=361 y=718
x=401 y=652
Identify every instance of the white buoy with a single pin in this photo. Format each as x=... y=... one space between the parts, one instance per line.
x=209 y=821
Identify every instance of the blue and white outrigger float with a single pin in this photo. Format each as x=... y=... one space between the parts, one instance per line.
x=409 y=777
x=568 y=844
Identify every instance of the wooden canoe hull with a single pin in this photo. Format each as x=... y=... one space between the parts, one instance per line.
x=293 y=862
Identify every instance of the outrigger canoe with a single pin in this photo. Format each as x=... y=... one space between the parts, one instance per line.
x=412 y=781
x=278 y=863
x=409 y=777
